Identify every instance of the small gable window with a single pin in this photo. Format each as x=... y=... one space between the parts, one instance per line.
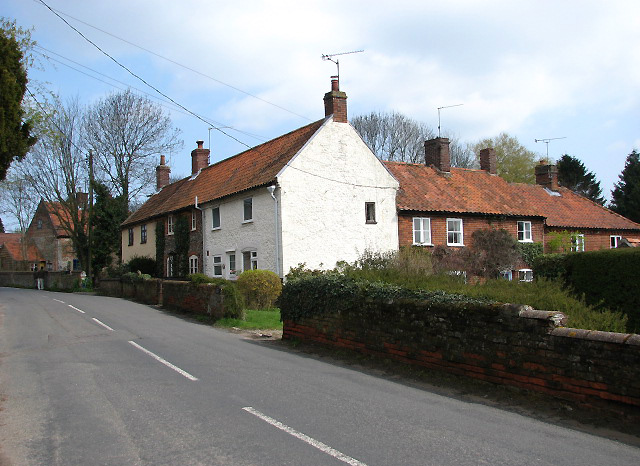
x=130 y=236
x=39 y=226
x=194 y=222
x=143 y=234
x=370 y=212
x=524 y=232
x=215 y=218
x=248 y=210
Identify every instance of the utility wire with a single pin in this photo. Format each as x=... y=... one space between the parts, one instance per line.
x=144 y=81
x=180 y=64
x=128 y=86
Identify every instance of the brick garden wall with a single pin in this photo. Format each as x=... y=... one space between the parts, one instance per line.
x=52 y=280
x=503 y=344
x=175 y=295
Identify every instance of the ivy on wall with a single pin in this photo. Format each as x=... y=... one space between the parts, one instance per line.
x=181 y=233
x=160 y=248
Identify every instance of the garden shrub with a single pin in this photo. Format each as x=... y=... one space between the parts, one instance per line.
x=145 y=265
x=530 y=252
x=549 y=266
x=133 y=277
x=233 y=301
x=201 y=278
x=260 y=288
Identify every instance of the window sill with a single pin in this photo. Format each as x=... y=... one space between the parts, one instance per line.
x=525 y=241
x=247 y=221
x=422 y=244
x=455 y=245
x=369 y=222
x=216 y=229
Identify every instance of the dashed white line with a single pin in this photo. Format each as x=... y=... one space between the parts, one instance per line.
x=76 y=309
x=102 y=323
x=164 y=361
x=59 y=301
x=305 y=438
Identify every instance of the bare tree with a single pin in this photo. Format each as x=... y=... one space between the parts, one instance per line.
x=396 y=137
x=19 y=200
x=126 y=133
x=57 y=170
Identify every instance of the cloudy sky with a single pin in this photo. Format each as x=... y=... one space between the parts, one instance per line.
x=534 y=69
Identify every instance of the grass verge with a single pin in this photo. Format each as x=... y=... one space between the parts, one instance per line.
x=267 y=319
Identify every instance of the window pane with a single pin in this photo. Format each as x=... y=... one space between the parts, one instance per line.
x=215 y=217
x=370 y=212
x=248 y=209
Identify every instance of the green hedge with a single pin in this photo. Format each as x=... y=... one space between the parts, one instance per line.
x=610 y=278
x=313 y=295
x=605 y=279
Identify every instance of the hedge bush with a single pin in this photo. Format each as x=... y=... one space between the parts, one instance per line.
x=260 y=288
x=145 y=265
x=549 y=266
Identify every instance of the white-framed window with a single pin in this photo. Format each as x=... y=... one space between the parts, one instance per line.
x=506 y=275
x=577 y=242
x=525 y=275
x=421 y=230
x=130 y=236
x=232 y=263
x=215 y=218
x=170 y=225
x=217 y=266
x=193 y=264
x=249 y=260
x=170 y=263
x=194 y=221
x=524 y=232
x=143 y=233
x=454 y=232
x=614 y=241
x=370 y=212
x=248 y=209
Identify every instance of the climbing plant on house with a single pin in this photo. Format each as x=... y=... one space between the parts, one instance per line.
x=182 y=246
x=159 y=248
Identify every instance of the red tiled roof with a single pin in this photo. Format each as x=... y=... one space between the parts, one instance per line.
x=13 y=244
x=249 y=169
x=424 y=189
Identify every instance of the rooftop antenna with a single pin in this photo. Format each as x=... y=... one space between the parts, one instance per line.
x=330 y=56
x=440 y=108
x=546 y=141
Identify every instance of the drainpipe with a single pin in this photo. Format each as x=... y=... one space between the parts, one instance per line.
x=204 y=260
x=271 y=190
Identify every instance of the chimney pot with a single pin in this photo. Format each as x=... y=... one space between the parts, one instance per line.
x=547 y=176
x=436 y=153
x=163 y=174
x=335 y=102
x=199 y=158
x=488 y=160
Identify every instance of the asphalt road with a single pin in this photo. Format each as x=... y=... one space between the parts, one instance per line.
x=87 y=380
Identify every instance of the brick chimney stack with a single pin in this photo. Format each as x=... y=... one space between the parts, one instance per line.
x=436 y=153
x=547 y=176
x=335 y=102
x=199 y=158
x=489 y=161
x=163 y=172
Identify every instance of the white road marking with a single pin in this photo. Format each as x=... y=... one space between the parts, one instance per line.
x=59 y=301
x=164 y=361
x=305 y=438
x=103 y=324
x=75 y=308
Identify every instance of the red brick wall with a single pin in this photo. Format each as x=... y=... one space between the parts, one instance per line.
x=469 y=225
x=594 y=240
x=502 y=344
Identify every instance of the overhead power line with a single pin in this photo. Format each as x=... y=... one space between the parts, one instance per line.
x=177 y=63
x=143 y=80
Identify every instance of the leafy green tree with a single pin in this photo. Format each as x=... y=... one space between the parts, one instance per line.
x=572 y=174
x=15 y=130
x=515 y=162
x=107 y=215
x=626 y=193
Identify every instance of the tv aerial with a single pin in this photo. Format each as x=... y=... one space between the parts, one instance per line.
x=440 y=108
x=546 y=141
x=330 y=56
